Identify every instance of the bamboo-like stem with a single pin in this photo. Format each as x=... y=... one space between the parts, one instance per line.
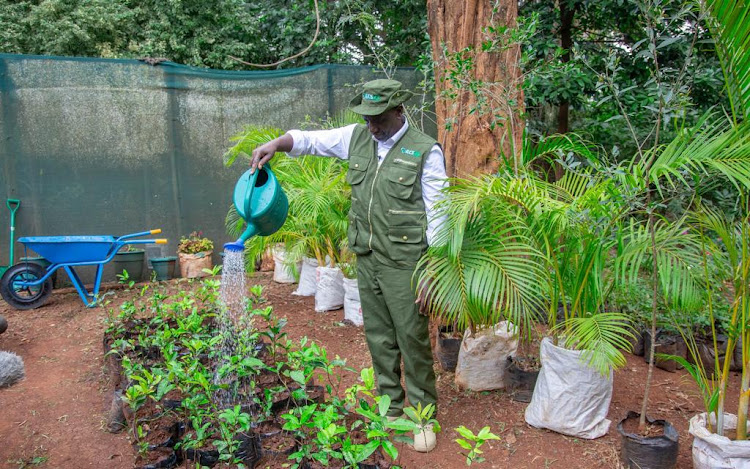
x=742 y=292
x=711 y=317
x=725 y=374
x=654 y=306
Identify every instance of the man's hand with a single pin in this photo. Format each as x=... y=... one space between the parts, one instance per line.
x=424 y=298
x=262 y=154
x=265 y=152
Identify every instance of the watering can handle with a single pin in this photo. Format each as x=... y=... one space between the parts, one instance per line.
x=249 y=192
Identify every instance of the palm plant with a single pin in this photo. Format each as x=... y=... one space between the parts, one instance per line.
x=483 y=265
x=578 y=235
x=514 y=245
x=728 y=243
x=713 y=145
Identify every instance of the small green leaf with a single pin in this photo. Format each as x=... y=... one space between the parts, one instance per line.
x=463 y=443
x=390 y=449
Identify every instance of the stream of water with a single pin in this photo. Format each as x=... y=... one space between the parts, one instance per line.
x=232 y=319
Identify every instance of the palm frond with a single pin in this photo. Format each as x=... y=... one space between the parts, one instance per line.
x=678 y=259
x=250 y=137
x=492 y=272
x=730 y=26
x=712 y=145
x=601 y=338
x=554 y=147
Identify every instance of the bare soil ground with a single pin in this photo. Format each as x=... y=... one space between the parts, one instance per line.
x=56 y=417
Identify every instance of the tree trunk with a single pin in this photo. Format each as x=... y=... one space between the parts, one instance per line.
x=567 y=12
x=475 y=132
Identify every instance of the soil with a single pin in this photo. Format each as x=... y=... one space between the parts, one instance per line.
x=527 y=363
x=272 y=463
x=279 y=443
x=155 y=457
x=335 y=464
x=654 y=430
x=268 y=428
x=56 y=416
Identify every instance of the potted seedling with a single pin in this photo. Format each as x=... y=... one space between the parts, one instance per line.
x=492 y=257
x=195 y=252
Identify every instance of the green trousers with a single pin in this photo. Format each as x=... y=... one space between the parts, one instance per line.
x=394 y=330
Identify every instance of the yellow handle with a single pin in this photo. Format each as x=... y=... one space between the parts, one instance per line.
x=156 y=231
x=161 y=241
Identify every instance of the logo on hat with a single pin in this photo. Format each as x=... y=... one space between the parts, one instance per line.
x=371 y=97
x=413 y=153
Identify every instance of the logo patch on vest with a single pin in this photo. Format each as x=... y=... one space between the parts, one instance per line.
x=413 y=153
x=371 y=97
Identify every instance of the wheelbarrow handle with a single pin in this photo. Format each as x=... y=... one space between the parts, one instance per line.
x=146 y=241
x=138 y=235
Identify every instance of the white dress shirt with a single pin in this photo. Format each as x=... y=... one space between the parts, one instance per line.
x=335 y=143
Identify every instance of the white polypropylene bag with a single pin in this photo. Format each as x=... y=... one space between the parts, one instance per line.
x=330 y=292
x=308 y=282
x=283 y=272
x=570 y=397
x=352 y=305
x=711 y=450
x=482 y=358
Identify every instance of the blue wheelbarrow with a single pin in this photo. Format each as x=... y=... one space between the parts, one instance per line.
x=28 y=285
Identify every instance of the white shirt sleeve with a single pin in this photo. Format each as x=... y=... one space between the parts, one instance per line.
x=434 y=179
x=333 y=142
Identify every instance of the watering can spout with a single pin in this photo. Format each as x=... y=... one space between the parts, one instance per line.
x=236 y=246
x=260 y=201
x=239 y=245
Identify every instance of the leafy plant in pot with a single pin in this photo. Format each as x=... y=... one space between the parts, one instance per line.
x=584 y=347
x=195 y=252
x=483 y=274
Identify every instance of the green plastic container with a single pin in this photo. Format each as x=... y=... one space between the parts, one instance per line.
x=164 y=267
x=132 y=261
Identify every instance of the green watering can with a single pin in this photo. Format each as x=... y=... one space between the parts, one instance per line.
x=261 y=202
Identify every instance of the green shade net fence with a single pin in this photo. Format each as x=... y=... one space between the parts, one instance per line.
x=101 y=146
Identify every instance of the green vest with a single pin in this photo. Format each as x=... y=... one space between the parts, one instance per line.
x=388 y=215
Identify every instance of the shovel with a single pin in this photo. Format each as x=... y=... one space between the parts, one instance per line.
x=12 y=205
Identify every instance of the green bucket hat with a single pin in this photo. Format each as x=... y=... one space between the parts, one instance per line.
x=378 y=96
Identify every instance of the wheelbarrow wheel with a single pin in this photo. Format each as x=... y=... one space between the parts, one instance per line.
x=24 y=297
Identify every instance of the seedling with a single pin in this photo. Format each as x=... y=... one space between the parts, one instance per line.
x=472 y=443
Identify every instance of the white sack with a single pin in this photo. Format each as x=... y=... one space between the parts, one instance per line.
x=482 y=358
x=570 y=397
x=330 y=292
x=283 y=272
x=308 y=281
x=711 y=450
x=352 y=305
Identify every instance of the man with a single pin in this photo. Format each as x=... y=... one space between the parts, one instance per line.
x=396 y=173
